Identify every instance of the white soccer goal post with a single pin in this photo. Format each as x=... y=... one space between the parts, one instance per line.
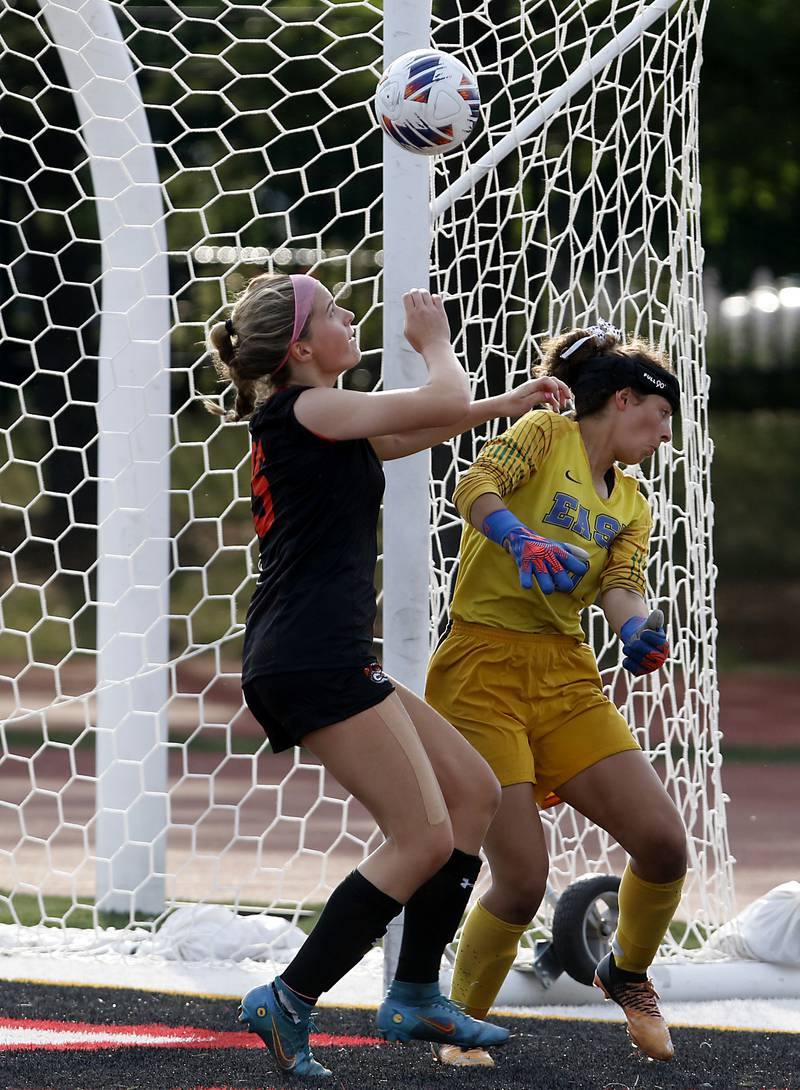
x=155 y=156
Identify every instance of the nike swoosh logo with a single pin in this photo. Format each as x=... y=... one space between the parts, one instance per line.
x=448 y=1027
x=284 y=1061
x=569 y=478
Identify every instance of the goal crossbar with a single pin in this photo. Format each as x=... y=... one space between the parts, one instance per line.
x=525 y=128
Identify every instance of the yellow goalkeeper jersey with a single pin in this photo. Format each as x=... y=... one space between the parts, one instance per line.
x=540 y=469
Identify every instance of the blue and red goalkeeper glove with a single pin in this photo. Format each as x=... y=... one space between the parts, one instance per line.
x=549 y=562
x=644 y=643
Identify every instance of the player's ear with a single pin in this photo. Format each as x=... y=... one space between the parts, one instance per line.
x=300 y=352
x=622 y=398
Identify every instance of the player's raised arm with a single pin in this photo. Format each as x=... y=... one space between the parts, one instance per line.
x=443 y=400
x=261 y=350
x=547 y=392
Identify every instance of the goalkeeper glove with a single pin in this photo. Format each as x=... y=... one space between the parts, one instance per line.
x=644 y=643
x=550 y=562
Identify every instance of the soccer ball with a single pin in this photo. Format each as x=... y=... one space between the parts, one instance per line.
x=427 y=102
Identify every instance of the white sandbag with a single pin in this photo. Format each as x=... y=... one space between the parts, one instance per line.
x=767 y=930
x=217 y=933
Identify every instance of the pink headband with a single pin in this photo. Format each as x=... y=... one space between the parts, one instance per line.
x=304 y=288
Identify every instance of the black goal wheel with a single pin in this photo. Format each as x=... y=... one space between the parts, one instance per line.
x=584 y=920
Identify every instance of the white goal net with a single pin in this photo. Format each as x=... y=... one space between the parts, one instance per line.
x=154 y=157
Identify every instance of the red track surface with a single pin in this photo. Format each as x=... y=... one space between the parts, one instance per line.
x=761 y=710
x=756 y=711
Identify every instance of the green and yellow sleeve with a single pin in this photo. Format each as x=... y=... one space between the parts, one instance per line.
x=627 y=558
x=506 y=462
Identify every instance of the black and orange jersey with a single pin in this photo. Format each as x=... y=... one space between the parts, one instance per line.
x=315 y=506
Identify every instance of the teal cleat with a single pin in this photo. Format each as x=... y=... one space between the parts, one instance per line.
x=420 y=1012
x=283 y=1022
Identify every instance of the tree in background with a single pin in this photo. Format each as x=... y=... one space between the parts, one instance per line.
x=750 y=139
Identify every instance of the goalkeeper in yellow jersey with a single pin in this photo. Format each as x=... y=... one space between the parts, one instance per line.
x=516 y=677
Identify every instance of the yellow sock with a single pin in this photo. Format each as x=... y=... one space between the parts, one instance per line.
x=486 y=951
x=645 y=910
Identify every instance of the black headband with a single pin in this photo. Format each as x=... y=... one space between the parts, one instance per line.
x=607 y=374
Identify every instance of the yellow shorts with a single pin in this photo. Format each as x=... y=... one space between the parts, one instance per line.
x=532 y=705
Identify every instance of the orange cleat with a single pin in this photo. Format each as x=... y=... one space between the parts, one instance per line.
x=455 y=1056
x=639 y=1000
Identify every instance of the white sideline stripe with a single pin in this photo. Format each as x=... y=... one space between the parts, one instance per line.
x=714 y=1004
x=144 y=972
x=23 y=1035
x=675 y=982
x=757 y=1015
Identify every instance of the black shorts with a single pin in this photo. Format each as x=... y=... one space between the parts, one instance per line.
x=289 y=706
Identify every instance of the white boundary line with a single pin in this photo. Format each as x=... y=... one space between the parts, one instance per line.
x=703 y=995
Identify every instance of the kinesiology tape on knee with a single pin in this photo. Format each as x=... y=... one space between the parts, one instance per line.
x=356 y=914
x=394 y=716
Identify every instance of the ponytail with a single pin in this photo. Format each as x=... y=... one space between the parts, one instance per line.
x=250 y=347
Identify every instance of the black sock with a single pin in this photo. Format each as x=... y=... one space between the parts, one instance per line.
x=356 y=914
x=432 y=917
x=625 y=974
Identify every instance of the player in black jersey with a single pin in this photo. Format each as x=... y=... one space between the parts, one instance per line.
x=309 y=673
